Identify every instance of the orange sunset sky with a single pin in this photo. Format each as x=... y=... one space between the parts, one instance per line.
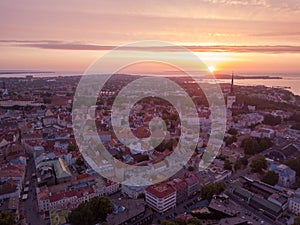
x=249 y=36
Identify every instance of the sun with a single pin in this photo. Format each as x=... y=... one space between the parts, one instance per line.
x=211 y=69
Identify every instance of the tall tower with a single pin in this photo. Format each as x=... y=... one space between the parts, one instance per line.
x=231 y=98
x=232 y=83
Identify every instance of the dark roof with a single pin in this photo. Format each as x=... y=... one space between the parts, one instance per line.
x=243 y=192
x=8 y=187
x=284 y=151
x=266 y=205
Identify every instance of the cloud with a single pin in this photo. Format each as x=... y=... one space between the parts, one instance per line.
x=277 y=34
x=80 y=46
x=29 y=41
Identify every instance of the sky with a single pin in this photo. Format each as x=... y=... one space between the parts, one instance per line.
x=248 y=36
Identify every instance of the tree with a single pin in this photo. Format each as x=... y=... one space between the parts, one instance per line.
x=191 y=221
x=141 y=195
x=263 y=103
x=295 y=117
x=7 y=218
x=230 y=139
x=165 y=222
x=221 y=157
x=296 y=126
x=79 y=162
x=227 y=165
x=258 y=164
x=244 y=161
x=71 y=147
x=46 y=100
x=194 y=221
x=294 y=164
x=179 y=221
x=272 y=120
x=296 y=221
x=91 y=212
x=253 y=146
x=208 y=191
x=191 y=168
x=271 y=178
x=237 y=164
x=232 y=131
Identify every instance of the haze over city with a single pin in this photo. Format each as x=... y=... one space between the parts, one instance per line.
x=251 y=36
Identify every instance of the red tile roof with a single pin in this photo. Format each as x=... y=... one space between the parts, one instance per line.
x=161 y=190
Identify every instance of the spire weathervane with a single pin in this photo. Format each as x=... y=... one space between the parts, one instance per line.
x=232 y=82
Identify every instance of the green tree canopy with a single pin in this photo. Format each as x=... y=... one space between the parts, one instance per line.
x=230 y=139
x=241 y=162
x=272 y=120
x=7 y=218
x=227 y=165
x=191 y=168
x=194 y=221
x=191 y=221
x=165 y=222
x=258 y=164
x=253 y=146
x=91 y=212
x=208 y=191
x=271 y=178
x=294 y=164
x=296 y=221
x=232 y=131
x=71 y=147
x=296 y=126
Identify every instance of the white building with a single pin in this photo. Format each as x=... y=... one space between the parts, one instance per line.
x=231 y=99
x=132 y=191
x=161 y=197
x=294 y=205
x=287 y=176
x=263 y=133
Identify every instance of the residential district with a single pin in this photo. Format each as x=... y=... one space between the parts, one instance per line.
x=44 y=178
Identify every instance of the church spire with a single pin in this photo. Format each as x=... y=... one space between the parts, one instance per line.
x=232 y=82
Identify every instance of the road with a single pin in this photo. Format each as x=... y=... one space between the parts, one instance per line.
x=29 y=208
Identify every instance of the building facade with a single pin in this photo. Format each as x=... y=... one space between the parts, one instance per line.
x=161 y=197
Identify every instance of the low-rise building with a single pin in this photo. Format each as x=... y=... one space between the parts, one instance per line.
x=181 y=188
x=193 y=185
x=133 y=191
x=9 y=189
x=287 y=176
x=294 y=205
x=53 y=172
x=263 y=133
x=133 y=212
x=69 y=199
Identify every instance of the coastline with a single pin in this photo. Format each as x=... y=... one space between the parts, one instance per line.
x=290 y=83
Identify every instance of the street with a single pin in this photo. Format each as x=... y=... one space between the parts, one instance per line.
x=29 y=207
